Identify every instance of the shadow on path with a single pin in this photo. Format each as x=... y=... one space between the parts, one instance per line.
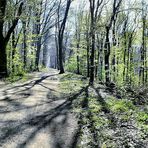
x=42 y=119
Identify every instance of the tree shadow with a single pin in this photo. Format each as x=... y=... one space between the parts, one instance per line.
x=84 y=104
x=30 y=84
x=37 y=121
x=21 y=95
x=95 y=142
x=101 y=101
x=106 y=110
x=45 y=119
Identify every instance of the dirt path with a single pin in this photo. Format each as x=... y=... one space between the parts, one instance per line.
x=34 y=115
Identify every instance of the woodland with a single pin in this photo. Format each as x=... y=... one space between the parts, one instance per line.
x=74 y=73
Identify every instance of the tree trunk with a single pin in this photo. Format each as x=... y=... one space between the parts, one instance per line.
x=78 y=48
x=116 y=6
x=13 y=51
x=142 y=68
x=3 y=56
x=61 y=68
x=131 y=65
x=100 y=58
x=57 y=48
x=3 y=59
x=88 y=58
x=60 y=37
x=107 y=56
x=78 y=62
x=114 y=40
x=4 y=40
x=92 y=56
x=38 y=45
x=24 y=45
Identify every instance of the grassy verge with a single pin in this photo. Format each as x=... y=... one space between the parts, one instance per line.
x=22 y=77
x=106 y=121
x=71 y=83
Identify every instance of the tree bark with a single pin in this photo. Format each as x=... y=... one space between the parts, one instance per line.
x=60 y=37
x=107 y=56
x=93 y=16
x=24 y=45
x=4 y=40
x=116 y=6
x=3 y=56
x=3 y=59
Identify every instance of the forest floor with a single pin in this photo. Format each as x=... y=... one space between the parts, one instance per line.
x=62 y=111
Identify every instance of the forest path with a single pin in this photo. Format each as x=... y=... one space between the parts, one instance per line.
x=35 y=115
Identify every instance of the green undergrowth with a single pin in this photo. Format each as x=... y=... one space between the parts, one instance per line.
x=120 y=105
x=71 y=83
x=22 y=76
x=16 y=77
x=125 y=125
x=106 y=122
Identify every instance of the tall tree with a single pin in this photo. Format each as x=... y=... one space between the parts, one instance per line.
x=116 y=6
x=143 y=47
x=5 y=39
x=94 y=7
x=60 y=36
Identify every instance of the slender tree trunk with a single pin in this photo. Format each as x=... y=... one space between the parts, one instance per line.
x=78 y=62
x=97 y=62
x=114 y=52
x=125 y=48
x=3 y=59
x=88 y=52
x=39 y=35
x=38 y=46
x=117 y=71
x=24 y=45
x=61 y=35
x=142 y=69
x=61 y=67
x=92 y=59
x=78 y=48
x=57 y=46
x=57 y=53
x=13 y=51
x=146 y=66
x=100 y=59
x=92 y=56
x=107 y=56
x=124 y=61
x=131 y=65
